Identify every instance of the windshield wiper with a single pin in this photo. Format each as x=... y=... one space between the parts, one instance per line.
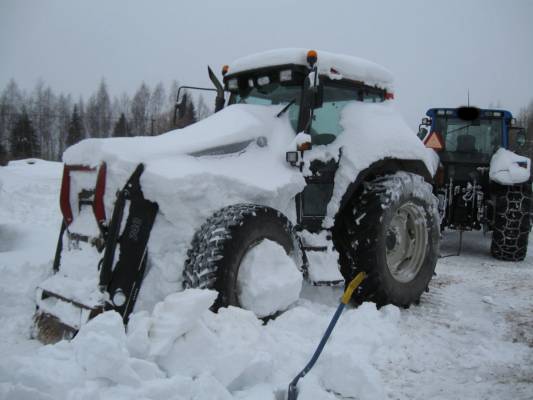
x=459 y=129
x=284 y=109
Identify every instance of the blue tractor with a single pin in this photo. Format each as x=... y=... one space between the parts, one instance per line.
x=482 y=183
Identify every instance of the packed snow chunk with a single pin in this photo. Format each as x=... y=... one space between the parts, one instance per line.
x=20 y=392
x=362 y=382
x=222 y=345
x=336 y=66
x=177 y=315
x=269 y=280
x=258 y=371
x=50 y=370
x=508 y=168
x=138 y=341
x=257 y=392
x=100 y=348
x=323 y=266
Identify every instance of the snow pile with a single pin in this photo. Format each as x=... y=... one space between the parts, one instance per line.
x=29 y=224
x=336 y=66
x=268 y=279
x=185 y=348
x=469 y=338
x=505 y=167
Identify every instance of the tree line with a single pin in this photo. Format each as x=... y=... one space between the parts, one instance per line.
x=42 y=123
x=525 y=120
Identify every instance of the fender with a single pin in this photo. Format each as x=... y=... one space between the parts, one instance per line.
x=384 y=167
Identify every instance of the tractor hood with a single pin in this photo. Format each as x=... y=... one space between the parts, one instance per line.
x=234 y=156
x=228 y=131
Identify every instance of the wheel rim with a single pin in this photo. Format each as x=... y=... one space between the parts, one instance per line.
x=406 y=242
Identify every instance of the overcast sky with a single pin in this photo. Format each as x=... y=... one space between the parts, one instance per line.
x=437 y=50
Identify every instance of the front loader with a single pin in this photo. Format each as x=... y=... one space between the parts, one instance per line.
x=123 y=262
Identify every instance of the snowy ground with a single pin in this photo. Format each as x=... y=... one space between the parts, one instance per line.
x=471 y=337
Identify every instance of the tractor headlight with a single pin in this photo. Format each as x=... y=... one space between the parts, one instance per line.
x=262 y=81
x=233 y=84
x=292 y=157
x=285 y=75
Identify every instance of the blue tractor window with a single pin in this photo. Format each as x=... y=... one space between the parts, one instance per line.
x=470 y=141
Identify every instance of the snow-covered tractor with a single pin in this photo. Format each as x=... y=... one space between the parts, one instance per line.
x=305 y=166
x=480 y=182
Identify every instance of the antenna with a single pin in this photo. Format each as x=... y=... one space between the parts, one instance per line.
x=468 y=97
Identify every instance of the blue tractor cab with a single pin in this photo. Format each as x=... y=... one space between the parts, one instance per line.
x=469 y=143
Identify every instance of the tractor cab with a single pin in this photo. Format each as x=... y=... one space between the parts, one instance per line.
x=312 y=89
x=313 y=99
x=466 y=138
x=482 y=181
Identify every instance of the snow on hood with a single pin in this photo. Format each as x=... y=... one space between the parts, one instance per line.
x=343 y=65
x=235 y=124
x=506 y=169
x=179 y=169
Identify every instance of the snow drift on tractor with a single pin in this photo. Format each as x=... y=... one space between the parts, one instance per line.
x=307 y=173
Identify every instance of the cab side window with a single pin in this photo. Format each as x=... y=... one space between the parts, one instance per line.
x=325 y=126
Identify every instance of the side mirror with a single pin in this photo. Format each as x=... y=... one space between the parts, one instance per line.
x=426 y=121
x=517 y=137
x=422 y=132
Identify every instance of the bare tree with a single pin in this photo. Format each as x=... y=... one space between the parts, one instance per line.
x=139 y=110
x=202 y=110
x=62 y=125
x=157 y=102
x=42 y=107
x=11 y=102
x=104 y=109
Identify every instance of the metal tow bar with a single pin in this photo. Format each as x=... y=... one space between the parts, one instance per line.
x=345 y=299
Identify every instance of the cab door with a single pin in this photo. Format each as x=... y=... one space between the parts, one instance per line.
x=324 y=127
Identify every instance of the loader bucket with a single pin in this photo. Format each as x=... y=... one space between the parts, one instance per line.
x=49 y=327
x=60 y=316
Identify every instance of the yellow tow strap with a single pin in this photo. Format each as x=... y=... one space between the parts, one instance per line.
x=354 y=284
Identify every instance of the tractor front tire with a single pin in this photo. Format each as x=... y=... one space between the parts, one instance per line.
x=512 y=223
x=223 y=242
x=391 y=231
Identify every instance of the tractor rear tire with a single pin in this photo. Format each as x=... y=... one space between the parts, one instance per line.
x=512 y=223
x=220 y=245
x=391 y=231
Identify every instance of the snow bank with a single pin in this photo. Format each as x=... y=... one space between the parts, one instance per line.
x=184 y=348
x=505 y=168
x=337 y=66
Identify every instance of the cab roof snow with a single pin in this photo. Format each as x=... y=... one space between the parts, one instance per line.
x=335 y=66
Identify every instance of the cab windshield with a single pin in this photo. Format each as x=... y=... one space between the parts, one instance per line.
x=274 y=94
x=469 y=141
